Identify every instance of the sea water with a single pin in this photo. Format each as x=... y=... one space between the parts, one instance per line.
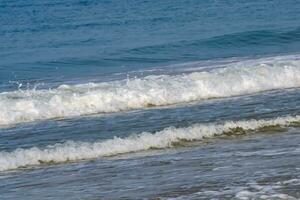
x=149 y=99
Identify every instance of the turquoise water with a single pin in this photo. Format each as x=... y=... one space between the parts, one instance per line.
x=149 y=99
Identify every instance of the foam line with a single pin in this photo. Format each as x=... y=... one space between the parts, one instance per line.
x=73 y=151
x=240 y=78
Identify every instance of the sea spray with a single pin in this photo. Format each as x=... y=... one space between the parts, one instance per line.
x=240 y=78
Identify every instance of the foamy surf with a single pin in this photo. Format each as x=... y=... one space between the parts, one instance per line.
x=73 y=151
x=240 y=78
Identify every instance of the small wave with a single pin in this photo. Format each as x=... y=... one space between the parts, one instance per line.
x=262 y=37
x=238 y=78
x=258 y=38
x=169 y=137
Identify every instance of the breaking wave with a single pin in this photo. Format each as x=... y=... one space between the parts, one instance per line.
x=243 y=77
x=168 y=137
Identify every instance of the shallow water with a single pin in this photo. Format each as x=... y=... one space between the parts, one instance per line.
x=149 y=100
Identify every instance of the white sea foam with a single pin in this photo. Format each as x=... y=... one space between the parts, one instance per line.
x=249 y=191
x=237 y=78
x=72 y=151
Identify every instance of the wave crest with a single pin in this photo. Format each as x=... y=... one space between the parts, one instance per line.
x=240 y=78
x=169 y=137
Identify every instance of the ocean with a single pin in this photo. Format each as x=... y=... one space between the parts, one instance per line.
x=141 y=99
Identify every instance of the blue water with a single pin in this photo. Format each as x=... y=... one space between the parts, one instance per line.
x=78 y=75
x=47 y=41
